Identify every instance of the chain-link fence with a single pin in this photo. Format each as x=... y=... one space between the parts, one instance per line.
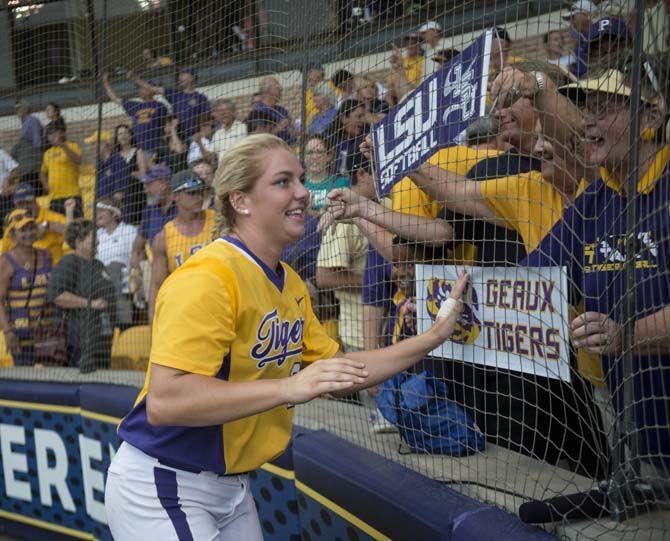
x=526 y=142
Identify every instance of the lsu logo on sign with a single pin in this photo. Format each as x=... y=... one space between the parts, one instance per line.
x=277 y=340
x=468 y=325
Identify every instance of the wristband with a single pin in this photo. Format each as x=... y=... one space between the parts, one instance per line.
x=447 y=308
x=540 y=83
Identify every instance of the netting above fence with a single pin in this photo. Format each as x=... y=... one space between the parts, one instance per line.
x=524 y=142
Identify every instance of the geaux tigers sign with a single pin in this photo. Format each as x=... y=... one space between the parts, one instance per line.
x=513 y=318
x=433 y=115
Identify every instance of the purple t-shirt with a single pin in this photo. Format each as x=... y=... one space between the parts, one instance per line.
x=377 y=287
x=31 y=129
x=113 y=176
x=154 y=219
x=148 y=119
x=188 y=107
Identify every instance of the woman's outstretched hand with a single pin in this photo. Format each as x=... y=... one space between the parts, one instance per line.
x=322 y=377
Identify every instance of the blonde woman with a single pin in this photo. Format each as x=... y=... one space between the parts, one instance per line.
x=235 y=345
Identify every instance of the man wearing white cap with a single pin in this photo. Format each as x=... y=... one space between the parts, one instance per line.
x=579 y=15
x=115 y=244
x=431 y=34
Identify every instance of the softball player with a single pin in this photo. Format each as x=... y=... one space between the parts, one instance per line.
x=231 y=325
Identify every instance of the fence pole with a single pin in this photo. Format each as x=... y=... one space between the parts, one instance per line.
x=624 y=470
x=87 y=359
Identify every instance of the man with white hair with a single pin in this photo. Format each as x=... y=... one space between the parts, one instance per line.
x=271 y=93
x=229 y=131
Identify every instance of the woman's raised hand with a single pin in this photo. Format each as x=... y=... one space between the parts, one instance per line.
x=450 y=310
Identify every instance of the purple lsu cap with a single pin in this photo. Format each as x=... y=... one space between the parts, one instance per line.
x=608 y=26
x=157 y=172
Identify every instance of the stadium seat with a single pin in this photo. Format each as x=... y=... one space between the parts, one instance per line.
x=5 y=356
x=130 y=348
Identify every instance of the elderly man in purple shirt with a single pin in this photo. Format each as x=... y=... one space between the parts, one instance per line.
x=271 y=92
x=31 y=128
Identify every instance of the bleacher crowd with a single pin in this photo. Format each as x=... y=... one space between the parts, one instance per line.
x=540 y=180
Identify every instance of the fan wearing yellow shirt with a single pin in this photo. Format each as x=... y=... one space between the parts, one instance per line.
x=50 y=225
x=182 y=236
x=408 y=198
x=528 y=203
x=60 y=170
x=235 y=344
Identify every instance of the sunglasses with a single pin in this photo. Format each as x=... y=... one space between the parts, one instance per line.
x=191 y=185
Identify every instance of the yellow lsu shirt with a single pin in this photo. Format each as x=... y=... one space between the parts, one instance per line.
x=63 y=173
x=180 y=247
x=413 y=66
x=50 y=241
x=526 y=203
x=224 y=314
x=407 y=197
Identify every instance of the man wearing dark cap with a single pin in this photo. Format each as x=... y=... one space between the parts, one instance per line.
x=60 y=170
x=50 y=225
x=160 y=210
x=601 y=45
x=148 y=115
x=188 y=105
x=183 y=236
x=160 y=207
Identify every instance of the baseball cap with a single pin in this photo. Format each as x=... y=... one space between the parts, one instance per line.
x=23 y=192
x=430 y=25
x=608 y=26
x=184 y=181
x=17 y=219
x=610 y=82
x=579 y=6
x=105 y=137
x=156 y=172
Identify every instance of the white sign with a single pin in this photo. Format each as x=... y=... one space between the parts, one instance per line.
x=514 y=318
